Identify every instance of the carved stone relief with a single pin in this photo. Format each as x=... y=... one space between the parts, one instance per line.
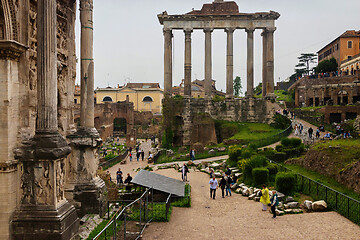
x=60 y=180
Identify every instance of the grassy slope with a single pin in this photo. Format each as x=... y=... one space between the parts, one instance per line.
x=254 y=131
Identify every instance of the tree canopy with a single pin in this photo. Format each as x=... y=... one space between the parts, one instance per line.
x=327 y=66
x=305 y=59
x=237 y=86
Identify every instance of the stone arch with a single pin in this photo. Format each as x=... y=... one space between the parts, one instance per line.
x=9 y=14
x=148 y=99
x=107 y=99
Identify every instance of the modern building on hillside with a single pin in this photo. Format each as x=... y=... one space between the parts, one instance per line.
x=197 y=89
x=344 y=48
x=145 y=96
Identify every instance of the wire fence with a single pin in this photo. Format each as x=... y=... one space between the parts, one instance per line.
x=107 y=164
x=341 y=203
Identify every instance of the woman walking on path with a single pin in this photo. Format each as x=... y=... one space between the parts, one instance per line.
x=274 y=203
x=222 y=185
x=265 y=200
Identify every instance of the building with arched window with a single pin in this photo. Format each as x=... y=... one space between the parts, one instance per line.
x=145 y=96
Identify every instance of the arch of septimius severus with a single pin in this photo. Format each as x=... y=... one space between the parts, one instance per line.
x=47 y=166
x=223 y=15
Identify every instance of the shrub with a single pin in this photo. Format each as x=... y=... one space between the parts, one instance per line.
x=255 y=162
x=290 y=142
x=246 y=153
x=278 y=156
x=273 y=170
x=286 y=142
x=286 y=182
x=241 y=163
x=281 y=122
x=234 y=153
x=260 y=176
x=110 y=156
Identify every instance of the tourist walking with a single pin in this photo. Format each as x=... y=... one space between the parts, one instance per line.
x=310 y=132
x=301 y=127
x=184 y=172
x=138 y=155
x=222 y=185
x=119 y=177
x=142 y=155
x=264 y=199
x=228 y=185
x=130 y=156
x=274 y=203
x=317 y=134
x=296 y=128
x=228 y=172
x=192 y=154
x=213 y=186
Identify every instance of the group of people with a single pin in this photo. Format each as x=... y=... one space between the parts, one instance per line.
x=266 y=200
x=139 y=153
x=298 y=128
x=119 y=177
x=225 y=183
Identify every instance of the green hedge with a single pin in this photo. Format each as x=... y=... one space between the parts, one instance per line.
x=286 y=182
x=260 y=176
x=234 y=154
x=256 y=161
x=273 y=170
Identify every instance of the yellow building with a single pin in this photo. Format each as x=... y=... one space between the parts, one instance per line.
x=343 y=48
x=145 y=96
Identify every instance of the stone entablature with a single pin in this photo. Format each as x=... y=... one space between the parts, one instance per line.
x=225 y=16
x=11 y=50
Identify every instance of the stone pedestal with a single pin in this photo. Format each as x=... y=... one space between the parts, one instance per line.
x=83 y=188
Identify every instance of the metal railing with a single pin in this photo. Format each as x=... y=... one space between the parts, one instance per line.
x=341 y=203
x=108 y=163
x=130 y=220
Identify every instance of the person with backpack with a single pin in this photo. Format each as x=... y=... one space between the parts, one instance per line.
x=264 y=199
x=228 y=185
x=184 y=172
x=310 y=132
x=274 y=202
x=222 y=185
x=130 y=156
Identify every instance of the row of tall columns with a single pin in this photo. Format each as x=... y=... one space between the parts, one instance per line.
x=268 y=62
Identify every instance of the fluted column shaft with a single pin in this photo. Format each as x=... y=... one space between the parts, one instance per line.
x=230 y=62
x=264 y=62
x=250 y=62
x=187 y=63
x=167 y=62
x=208 y=62
x=270 y=62
x=87 y=65
x=46 y=66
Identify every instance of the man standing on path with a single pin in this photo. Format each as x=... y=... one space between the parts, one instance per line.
x=213 y=186
x=119 y=177
x=184 y=172
x=142 y=155
x=310 y=131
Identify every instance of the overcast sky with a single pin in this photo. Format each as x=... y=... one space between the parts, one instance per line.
x=128 y=39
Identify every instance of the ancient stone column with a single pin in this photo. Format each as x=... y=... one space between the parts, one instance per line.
x=323 y=96
x=264 y=62
x=187 y=63
x=44 y=213
x=270 y=63
x=208 y=63
x=250 y=62
x=314 y=94
x=305 y=97
x=230 y=63
x=351 y=95
x=83 y=187
x=167 y=61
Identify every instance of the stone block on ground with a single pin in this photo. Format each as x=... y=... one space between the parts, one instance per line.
x=215 y=165
x=234 y=186
x=257 y=199
x=212 y=152
x=238 y=175
x=293 y=205
x=222 y=149
x=217 y=174
x=289 y=199
x=308 y=204
x=319 y=206
x=281 y=196
x=251 y=197
x=169 y=153
x=239 y=190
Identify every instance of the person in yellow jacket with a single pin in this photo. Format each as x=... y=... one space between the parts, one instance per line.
x=265 y=199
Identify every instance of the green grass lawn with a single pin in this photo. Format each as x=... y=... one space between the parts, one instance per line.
x=328 y=181
x=254 y=131
x=282 y=95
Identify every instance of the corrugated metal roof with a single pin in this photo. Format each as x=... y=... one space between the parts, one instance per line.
x=159 y=182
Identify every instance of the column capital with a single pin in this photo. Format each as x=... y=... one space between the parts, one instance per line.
x=86 y=5
x=210 y=30
x=270 y=29
x=188 y=30
x=229 y=30
x=250 y=30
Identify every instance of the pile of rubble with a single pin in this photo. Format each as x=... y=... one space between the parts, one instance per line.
x=286 y=206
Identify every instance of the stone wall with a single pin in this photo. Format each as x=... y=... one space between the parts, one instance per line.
x=238 y=110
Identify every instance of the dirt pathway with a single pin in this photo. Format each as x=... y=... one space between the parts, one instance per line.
x=238 y=218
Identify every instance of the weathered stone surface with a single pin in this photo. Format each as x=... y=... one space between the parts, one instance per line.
x=319 y=206
x=251 y=197
x=169 y=153
x=199 y=147
x=257 y=199
x=215 y=165
x=234 y=186
x=217 y=174
x=293 y=205
x=289 y=199
x=222 y=149
x=308 y=204
x=212 y=152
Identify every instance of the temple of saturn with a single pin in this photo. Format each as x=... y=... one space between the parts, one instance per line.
x=47 y=166
x=222 y=15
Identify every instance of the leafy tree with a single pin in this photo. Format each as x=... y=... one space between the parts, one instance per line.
x=258 y=88
x=237 y=86
x=305 y=59
x=327 y=66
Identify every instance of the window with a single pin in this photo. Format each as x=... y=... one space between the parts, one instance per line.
x=349 y=57
x=147 y=99
x=75 y=101
x=349 y=44
x=107 y=99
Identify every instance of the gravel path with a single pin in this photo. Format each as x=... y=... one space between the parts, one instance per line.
x=238 y=218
